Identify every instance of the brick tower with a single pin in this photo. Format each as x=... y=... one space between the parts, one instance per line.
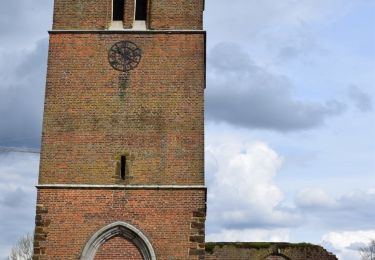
x=122 y=161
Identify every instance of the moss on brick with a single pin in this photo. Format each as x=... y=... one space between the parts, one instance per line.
x=210 y=246
x=262 y=250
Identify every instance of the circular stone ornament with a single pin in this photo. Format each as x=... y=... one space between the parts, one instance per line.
x=124 y=56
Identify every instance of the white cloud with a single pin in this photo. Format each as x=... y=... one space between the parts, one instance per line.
x=348 y=238
x=315 y=198
x=353 y=209
x=248 y=19
x=346 y=243
x=242 y=193
x=253 y=235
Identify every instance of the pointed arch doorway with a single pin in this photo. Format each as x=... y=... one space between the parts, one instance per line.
x=115 y=234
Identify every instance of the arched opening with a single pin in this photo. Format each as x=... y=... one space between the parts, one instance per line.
x=114 y=232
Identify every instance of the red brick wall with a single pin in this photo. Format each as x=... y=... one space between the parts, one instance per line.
x=172 y=220
x=128 y=14
x=81 y=14
x=157 y=120
x=118 y=248
x=176 y=14
x=95 y=114
x=97 y=14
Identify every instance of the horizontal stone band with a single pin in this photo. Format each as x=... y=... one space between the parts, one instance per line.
x=131 y=31
x=125 y=187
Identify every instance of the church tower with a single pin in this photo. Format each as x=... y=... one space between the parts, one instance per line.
x=122 y=159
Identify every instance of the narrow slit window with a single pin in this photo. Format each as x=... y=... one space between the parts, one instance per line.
x=123 y=167
x=141 y=10
x=118 y=10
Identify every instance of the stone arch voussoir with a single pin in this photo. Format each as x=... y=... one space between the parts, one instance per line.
x=123 y=229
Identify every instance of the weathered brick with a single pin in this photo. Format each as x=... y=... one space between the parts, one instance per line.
x=88 y=125
x=118 y=248
x=94 y=115
x=164 y=216
x=97 y=14
x=198 y=239
x=275 y=251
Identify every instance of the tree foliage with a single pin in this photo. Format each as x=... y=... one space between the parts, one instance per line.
x=368 y=252
x=23 y=249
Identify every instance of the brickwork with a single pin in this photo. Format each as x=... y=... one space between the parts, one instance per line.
x=80 y=14
x=272 y=251
x=69 y=217
x=128 y=14
x=176 y=14
x=97 y=14
x=95 y=115
x=118 y=248
x=156 y=120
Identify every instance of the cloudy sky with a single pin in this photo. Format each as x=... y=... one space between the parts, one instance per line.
x=290 y=122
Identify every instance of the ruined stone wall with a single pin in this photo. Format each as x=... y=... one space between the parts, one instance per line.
x=266 y=251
